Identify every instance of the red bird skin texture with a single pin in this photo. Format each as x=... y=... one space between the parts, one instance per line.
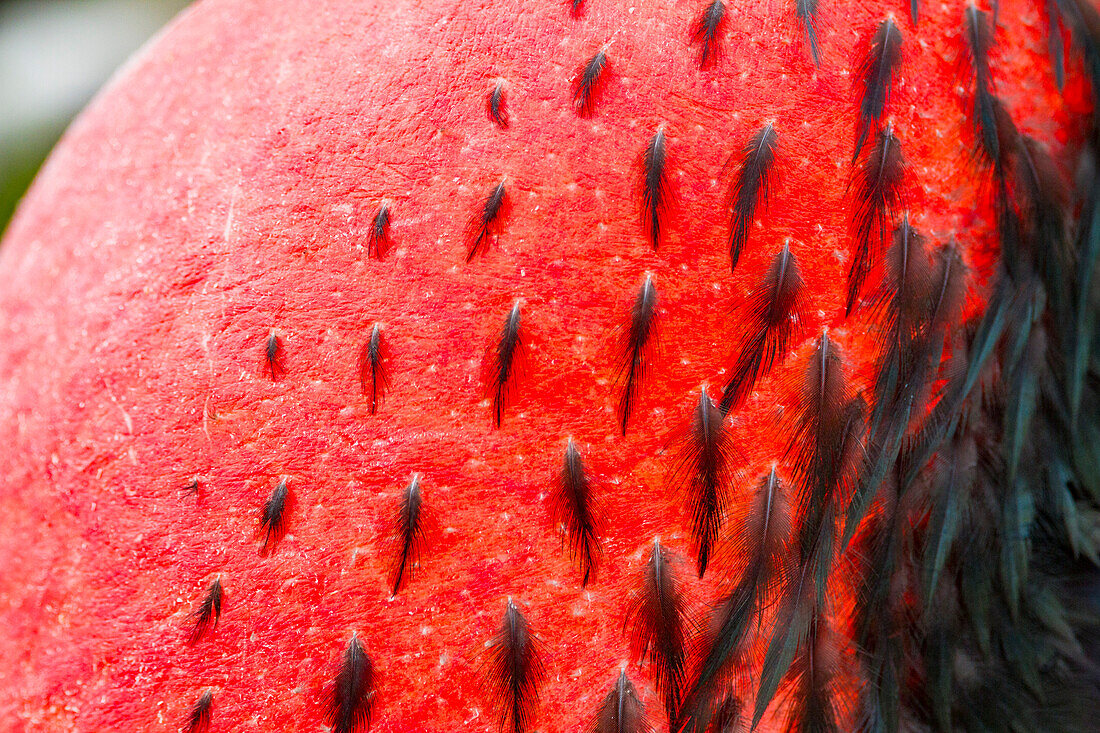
x=222 y=188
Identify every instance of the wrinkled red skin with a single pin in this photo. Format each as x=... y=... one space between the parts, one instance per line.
x=222 y=186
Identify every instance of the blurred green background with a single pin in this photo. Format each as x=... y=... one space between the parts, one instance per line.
x=54 y=55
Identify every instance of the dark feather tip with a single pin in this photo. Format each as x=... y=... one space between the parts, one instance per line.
x=654 y=188
x=199 y=717
x=988 y=113
x=876 y=75
x=484 y=224
x=209 y=612
x=658 y=627
x=878 y=190
x=775 y=307
x=575 y=508
x=588 y=83
x=378 y=238
x=273 y=518
x=496 y=106
x=705 y=32
x=634 y=354
x=408 y=532
x=373 y=377
x=273 y=357
x=621 y=711
x=807 y=13
x=352 y=697
x=507 y=351
x=515 y=671
x=193 y=486
x=750 y=189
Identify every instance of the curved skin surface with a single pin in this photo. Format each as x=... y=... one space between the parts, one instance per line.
x=222 y=188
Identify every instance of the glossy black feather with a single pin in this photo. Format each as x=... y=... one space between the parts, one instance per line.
x=1055 y=46
x=914 y=12
x=750 y=190
x=658 y=627
x=194 y=486
x=209 y=612
x=506 y=353
x=201 y=713
x=496 y=107
x=813 y=707
x=378 y=237
x=483 y=226
x=774 y=309
x=588 y=82
x=807 y=13
x=635 y=349
x=351 y=700
x=373 y=378
x=762 y=540
x=515 y=671
x=273 y=517
x=979 y=42
x=876 y=77
x=408 y=531
x=654 y=188
x=575 y=507
x=273 y=357
x=705 y=32
x=703 y=475
x=621 y=711
x=878 y=181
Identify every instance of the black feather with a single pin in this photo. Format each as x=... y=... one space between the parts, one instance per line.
x=206 y=618
x=408 y=531
x=654 y=188
x=515 y=670
x=576 y=7
x=273 y=518
x=588 y=83
x=496 y=107
x=378 y=238
x=198 y=719
x=727 y=716
x=484 y=224
x=373 y=378
x=193 y=486
x=621 y=711
x=775 y=306
x=703 y=474
x=878 y=182
x=812 y=706
x=914 y=12
x=1054 y=42
x=876 y=76
x=658 y=627
x=762 y=540
x=273 y=357
x=352 y=698
x=575 y=507
x=751 y=188
x=634 y=353
x=807 y=13
x=705 y=31
x=979 y=42
x=507 y=351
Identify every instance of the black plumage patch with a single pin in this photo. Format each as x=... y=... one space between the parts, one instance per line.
x=979 y=43
x=496 y=105
x=378 y=238
x=588 y=83
x=408 y=532
x=515 y=671
x=273 y=357
x=635 y=347
x=621 y=711
x=199 y=717
x=273 y=517
x=876 y=76
x=193 y=486
x=658 y=626
x=750 y=190
x=705 y=31
x=208 y=613
x=654 y=188
x=807 y=13
x=351 y=699
x=506 y=353
x=575 y=507
x=373 y=376
x=878 y=189
x=484 y=224
x=775 y=307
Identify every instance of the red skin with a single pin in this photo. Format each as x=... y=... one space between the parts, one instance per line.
x=223 y=186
